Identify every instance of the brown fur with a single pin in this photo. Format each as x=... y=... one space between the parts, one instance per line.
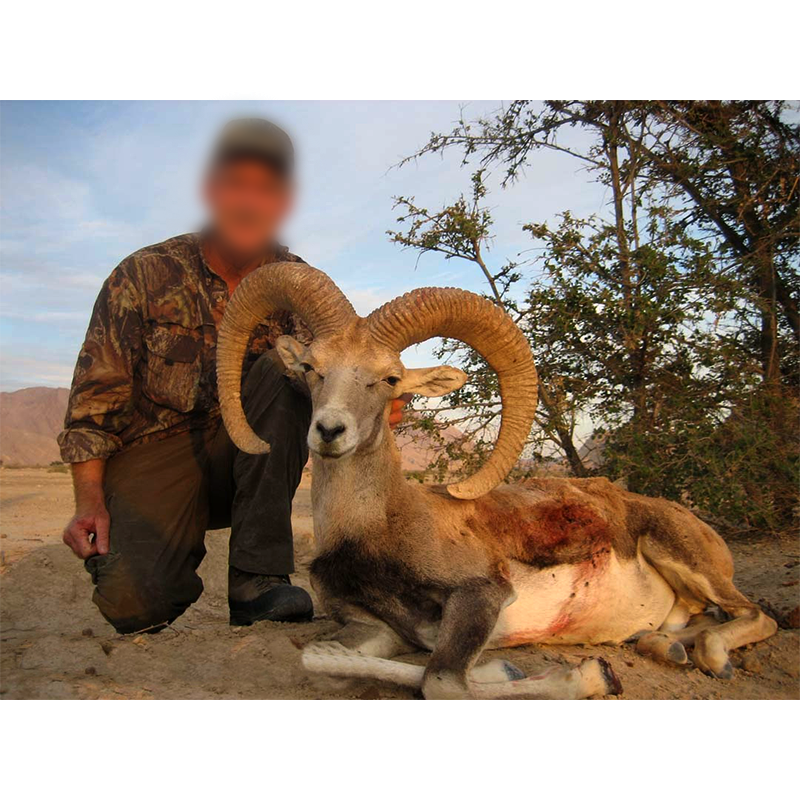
x=552 y=530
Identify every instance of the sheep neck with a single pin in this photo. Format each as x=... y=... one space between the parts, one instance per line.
x=350 y=497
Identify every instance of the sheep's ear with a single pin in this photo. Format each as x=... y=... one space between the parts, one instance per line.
x=292 y=353
x=432 y=381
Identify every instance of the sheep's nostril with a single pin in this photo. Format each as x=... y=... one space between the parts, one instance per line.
x=329 y=434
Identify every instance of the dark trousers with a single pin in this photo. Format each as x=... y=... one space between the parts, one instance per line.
x=164 y=495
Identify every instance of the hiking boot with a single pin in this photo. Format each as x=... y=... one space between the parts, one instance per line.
x=252 y=598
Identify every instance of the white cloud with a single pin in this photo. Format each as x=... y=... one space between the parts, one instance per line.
x=17 y=373
x=46 y=316
x=366 y=301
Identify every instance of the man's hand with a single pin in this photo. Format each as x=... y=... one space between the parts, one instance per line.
x=86 y=533
x=396 y=410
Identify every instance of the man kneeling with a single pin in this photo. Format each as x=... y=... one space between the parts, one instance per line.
x=152 y=465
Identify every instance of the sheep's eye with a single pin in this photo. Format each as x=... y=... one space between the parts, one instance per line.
x=392 y=380
x=307 y=367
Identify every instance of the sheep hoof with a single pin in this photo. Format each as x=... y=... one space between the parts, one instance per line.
x=677 y=653
x=726 y=673
x=613 y=683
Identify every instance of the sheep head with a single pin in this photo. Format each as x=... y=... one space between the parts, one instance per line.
x=351 y=379
x=353 y=365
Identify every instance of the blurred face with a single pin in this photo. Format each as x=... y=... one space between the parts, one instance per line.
x=247 y=201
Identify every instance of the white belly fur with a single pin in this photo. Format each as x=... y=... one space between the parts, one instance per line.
x=607 y=601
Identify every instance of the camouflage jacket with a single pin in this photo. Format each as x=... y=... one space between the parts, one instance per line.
x=147 y=367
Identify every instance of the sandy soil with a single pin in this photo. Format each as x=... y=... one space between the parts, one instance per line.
x=54 y=644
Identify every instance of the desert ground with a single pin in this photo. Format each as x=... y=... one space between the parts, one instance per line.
x=54 y=644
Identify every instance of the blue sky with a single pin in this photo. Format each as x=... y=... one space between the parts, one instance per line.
x=82 y=185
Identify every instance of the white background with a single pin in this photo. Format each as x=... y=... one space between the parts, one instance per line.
x=414 y=50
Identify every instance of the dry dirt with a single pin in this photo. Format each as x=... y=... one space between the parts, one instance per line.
x=54 y=644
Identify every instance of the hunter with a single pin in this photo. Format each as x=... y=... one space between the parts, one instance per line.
x=152 y=466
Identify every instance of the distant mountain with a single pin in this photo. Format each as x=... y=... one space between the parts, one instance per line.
x=417 y=448
x=30 y=421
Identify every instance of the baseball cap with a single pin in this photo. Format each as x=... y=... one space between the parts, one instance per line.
x=252 y=137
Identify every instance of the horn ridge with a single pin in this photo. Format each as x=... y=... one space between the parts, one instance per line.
x=282 y=286
x=478 y=322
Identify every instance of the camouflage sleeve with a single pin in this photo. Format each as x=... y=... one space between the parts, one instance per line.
x=101 y=400
x=297 y=328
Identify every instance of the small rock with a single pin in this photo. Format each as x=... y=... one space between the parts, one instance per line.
x=792 y=618
x=751 y=663
x=90 y=671
x=87 y=632
x=792 y=668
x=107 y=648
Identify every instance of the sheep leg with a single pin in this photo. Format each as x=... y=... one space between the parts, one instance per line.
x=592 y=677
x=364 y=638
x=469 y=616
x=336 y=661
x=372 y=639
x=669 y=646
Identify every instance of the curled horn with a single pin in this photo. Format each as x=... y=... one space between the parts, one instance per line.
x=484 y=326
x=283 y=286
